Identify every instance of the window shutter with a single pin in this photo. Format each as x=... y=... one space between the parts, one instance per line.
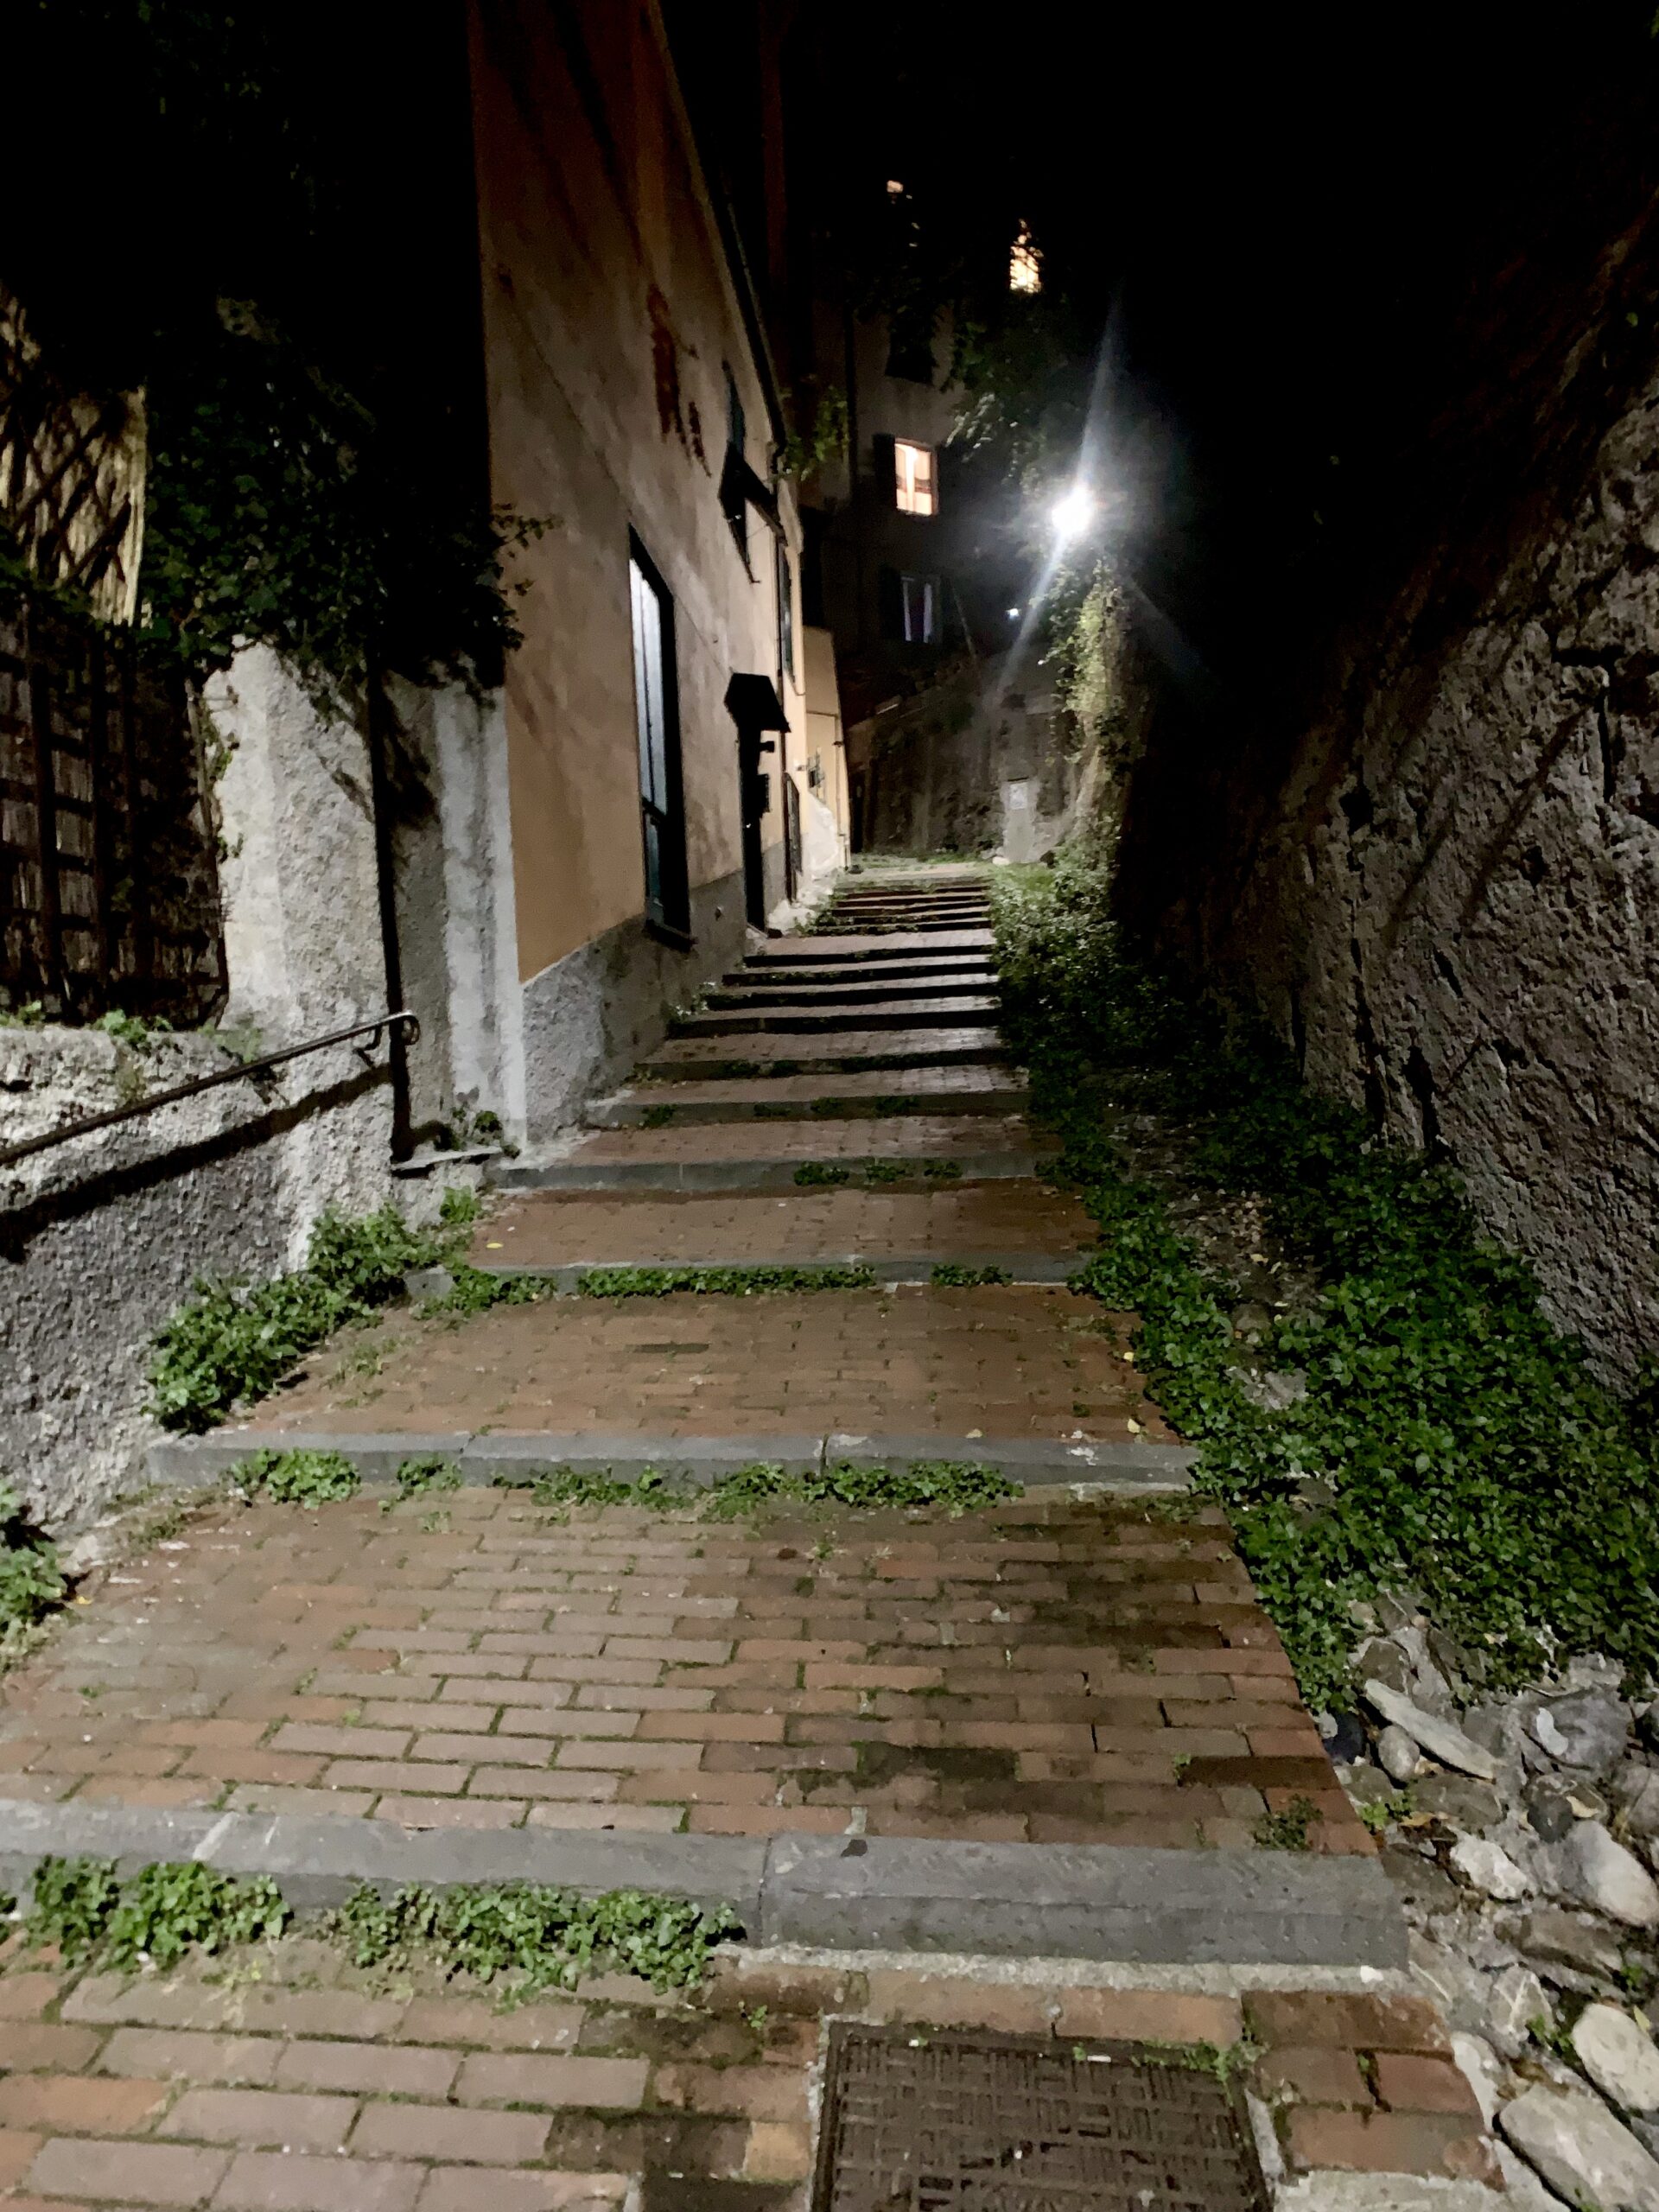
x=886 y=473
x=890 y=600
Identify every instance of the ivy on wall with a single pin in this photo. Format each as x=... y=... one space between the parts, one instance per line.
x=280 y=254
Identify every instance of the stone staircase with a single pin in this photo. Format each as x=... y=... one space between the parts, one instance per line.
x=1050 y=1746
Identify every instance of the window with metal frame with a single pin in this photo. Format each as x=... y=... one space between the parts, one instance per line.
x=785 y=615
x=656 y=710
x=913 y=478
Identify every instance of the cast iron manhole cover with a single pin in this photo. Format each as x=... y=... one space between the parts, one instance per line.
x=916 y=2122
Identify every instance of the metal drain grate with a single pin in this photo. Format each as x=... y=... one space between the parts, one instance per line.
x=918 y=2122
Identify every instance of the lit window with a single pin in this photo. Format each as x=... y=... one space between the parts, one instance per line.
x=1025 y=267
x=920 y=600
x=895 y=190
x=912 y=469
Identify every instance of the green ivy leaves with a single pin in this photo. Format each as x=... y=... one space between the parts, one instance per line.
x=1474 y=1457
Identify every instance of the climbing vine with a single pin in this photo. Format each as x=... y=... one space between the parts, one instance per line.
x=1463 y=1449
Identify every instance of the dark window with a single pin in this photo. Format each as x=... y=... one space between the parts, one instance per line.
x=736 y=430
x=812 y=525
x=786 y=616
x=734 y=477
x=919 y=597
x=911 y=357
x=657 y=708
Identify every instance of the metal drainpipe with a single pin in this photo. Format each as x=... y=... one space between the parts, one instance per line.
x=381 y=723
x=850 y=342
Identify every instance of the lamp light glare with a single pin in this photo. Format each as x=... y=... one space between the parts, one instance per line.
x=1072 y=513
x=1014 y=614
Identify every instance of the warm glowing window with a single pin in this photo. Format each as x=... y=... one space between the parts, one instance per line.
x=1024 y=269
x=912 y=469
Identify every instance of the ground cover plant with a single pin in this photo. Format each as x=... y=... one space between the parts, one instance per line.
x=1470 y=1456
x=86 y=1909
x=31 y=1584
x=297 y=1478
x=235 y=1341
x=524 y=1935
x=532 y=1936
x=952 y=1486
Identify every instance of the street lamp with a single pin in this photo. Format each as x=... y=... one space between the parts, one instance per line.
x=1072 y=513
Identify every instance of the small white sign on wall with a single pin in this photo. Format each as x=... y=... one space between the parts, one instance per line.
x=1018 y=818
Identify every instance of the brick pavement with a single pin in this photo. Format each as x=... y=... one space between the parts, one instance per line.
x=970 y=1220
x=826 y=1049
x=1010 y=1360
x=966 y=1087
x=912 y=1136
x=1045 y=1670
x=301 y=2084
x=1050 y=1671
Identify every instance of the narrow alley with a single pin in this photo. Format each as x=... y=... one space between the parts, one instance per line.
x=829 y=1109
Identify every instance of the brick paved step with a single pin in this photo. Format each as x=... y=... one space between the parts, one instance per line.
x=966 y=967
x=1046 y=1669
x=896 y=944
x=877 y=924
x=843 y=1051
x=1035 y=1232
x=871 y=1095
x=751 y=1155
x=954 y=1012
x=576 y=1173
x=901 y=1137
x=1012 y=1361
x=919 y=913
x=850 y=989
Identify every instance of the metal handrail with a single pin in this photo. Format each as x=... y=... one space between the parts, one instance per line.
x=371 y=1029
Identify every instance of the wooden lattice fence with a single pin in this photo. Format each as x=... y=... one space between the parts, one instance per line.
x=109 y=892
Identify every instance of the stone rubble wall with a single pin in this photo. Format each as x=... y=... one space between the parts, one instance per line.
x=1446 y=899
x=978 y=763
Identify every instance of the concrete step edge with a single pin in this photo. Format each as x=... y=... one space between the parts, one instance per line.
x=1133 y=1469
x=971 y=1010
x=759 y=1174
x=847 y=1892
x=988 y=1052
x=627 y=1109
x=1018 y=1268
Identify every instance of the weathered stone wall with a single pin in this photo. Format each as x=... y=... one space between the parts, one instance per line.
x=973 y=764
x=101 y=1238
x=1448 y=900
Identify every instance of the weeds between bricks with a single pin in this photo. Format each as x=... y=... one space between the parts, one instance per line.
x=526 y=1937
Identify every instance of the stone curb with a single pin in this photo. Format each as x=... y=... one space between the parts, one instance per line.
x=985 y=1051
x=713 y=1175
x=937 y=1010
x=1019 y=1267
x=1133 y=1468
x=1104 y=1901
x=629 y=1112
x=830 y=950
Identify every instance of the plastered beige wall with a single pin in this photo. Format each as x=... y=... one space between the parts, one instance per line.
x=609 y=317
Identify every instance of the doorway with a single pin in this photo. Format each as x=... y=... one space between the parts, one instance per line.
x=754 y=705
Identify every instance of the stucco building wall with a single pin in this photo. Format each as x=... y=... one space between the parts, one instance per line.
x=611 y=325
